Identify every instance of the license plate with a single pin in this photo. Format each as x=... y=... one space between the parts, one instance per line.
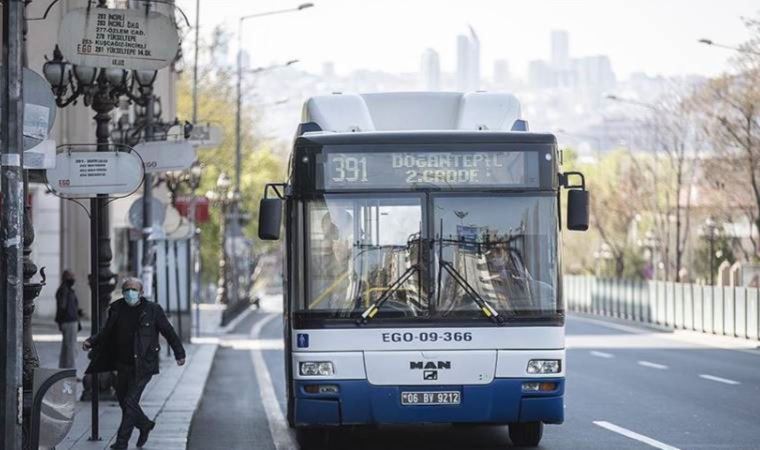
x=431 y=398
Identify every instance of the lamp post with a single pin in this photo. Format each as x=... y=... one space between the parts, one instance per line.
x=222 y=197
x=597 y=140
x=174 y=182
x=650 y=243
x=631 y=101
x=744 y=50
x=101 y=90
x=710 y=231
x=239 y=94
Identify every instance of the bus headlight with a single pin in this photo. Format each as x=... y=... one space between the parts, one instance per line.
x=540 y=366
x=316 y=368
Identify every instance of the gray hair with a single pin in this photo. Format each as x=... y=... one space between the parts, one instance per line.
x=132 y=281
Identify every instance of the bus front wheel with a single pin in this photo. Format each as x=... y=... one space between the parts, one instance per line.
x=526 y=434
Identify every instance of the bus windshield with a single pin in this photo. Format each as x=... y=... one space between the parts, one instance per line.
x=366 y=248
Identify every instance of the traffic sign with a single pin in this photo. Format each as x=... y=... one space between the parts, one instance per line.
x=166 y=156
x=158 y=215
x=39 y=109
x=42 y=156
x=205 y=136
x=118 y=38
x=88 y=174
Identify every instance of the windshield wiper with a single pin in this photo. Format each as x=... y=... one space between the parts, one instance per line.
x=485 y=307
x=373 y=309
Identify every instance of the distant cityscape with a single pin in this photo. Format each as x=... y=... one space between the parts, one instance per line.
x=564 y=93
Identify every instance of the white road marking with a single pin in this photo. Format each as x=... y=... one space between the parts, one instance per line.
x=236 y=321
x=718 y=379
x=278 y=428
x=602 y=354
x=652 y=365
x=633 y=435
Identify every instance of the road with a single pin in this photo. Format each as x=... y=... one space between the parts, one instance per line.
x=627 y=388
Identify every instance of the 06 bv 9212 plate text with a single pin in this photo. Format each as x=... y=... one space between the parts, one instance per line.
x=431 y=398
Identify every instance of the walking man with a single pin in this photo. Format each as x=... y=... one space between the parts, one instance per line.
x=67 y=318
x=128 y=343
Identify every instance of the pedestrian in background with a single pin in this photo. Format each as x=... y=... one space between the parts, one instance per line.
x=67 y=318
x=128 y=343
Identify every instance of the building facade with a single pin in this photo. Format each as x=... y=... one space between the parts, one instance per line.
x=62 y=229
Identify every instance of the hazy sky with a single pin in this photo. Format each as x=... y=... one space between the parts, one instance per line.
x=654 y=36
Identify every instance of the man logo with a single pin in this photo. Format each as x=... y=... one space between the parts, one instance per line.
x=430 y=375
x=422 y=365
x=429 y=368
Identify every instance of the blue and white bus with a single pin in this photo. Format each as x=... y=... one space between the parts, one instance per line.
x=423 y=278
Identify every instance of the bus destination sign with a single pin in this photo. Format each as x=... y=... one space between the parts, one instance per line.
x=426 y=168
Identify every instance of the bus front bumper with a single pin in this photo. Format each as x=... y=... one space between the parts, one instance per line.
x=357 y=402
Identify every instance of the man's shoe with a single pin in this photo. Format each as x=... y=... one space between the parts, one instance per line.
x=144 y=433
x=119 y=445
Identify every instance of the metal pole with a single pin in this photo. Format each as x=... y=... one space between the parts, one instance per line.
x=712 y=255
x=194 y=282
x=195 y=61
x=147 y=204
x=238 y=112
x=94 y=309
x=101 y=277
x=11 y=280
x=179 y=289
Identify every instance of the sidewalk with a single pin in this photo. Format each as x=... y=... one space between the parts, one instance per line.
x=170 y=399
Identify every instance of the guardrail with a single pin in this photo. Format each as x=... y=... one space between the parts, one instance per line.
x=722 y=310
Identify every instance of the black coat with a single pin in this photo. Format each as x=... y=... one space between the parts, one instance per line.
x=67 y=305
x=151 y=322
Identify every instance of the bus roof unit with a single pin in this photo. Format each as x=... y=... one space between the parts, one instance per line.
x=406 y=111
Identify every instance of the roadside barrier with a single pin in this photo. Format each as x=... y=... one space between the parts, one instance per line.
x=721 y=310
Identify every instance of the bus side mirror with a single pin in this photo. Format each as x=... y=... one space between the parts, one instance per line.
x=577 y=210
x=270 y=218
x=577 y=202
x=270 y=215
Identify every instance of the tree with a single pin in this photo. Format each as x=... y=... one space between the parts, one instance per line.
x=675 y=142
x=730 y=107
x=617 y=185
x=216 y=105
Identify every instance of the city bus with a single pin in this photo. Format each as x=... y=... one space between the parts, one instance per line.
x=422 y=279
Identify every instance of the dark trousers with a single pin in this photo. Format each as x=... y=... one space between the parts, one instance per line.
x=129 y=389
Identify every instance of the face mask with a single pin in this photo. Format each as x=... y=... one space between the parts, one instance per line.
x=131 y=296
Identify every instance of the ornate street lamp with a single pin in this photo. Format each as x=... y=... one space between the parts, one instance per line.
x=223 y=197
x=101 y=89
x=711 y=232
x=650 y=244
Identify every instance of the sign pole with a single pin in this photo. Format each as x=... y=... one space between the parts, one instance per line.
x=147 y=210
x=11 y=273
x=94 y=309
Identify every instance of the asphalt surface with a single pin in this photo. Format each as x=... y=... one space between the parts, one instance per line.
x=626 y=389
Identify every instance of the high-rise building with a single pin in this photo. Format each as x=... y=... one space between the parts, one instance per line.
x=468 y=62
x=463 y=56
x=430 y=70
x=595 y=72
x=501 y=76
x=560 y=48
x=540 y=75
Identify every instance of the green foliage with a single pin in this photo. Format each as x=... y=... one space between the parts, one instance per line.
x=724 y=251
x=260 y=164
